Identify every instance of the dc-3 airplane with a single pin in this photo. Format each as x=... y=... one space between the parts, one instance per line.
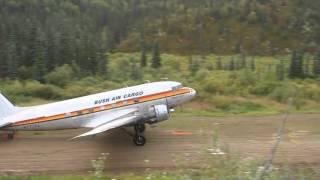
x=128 y=107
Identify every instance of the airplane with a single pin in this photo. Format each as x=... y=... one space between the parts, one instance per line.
x=134 y=106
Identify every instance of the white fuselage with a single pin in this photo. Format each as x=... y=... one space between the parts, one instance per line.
x=78 y=112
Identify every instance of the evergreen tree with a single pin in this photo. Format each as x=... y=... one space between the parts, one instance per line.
x=243 y=61
x=12 y=64
x=296 y=66
x=31 y=44
x=232 y=65
x=3 y=63
x=52 y=50
x=156 y=59
x=306 y=66
x=40 y=58
x=194 y=65
x=101 y=64
x=219 y=63
x=11 y=57
x=66 y=53
x=316 y=65
x=143 y=59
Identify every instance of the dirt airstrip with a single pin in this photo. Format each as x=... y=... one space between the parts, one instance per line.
x=53 y=153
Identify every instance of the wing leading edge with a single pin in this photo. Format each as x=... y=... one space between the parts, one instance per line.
x=4 y=124
x=110 y=121
x=107 y=126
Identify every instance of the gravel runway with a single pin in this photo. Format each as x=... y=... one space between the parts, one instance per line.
x=181 y=141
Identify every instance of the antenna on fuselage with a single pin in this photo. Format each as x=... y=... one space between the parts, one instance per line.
x=147 y=81
x=165 y=78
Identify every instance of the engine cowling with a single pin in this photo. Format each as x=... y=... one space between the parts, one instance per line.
x=160 y=113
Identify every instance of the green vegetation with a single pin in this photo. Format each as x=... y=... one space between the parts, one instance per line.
x=262 y=88
x=243 y=57
x=37 y=36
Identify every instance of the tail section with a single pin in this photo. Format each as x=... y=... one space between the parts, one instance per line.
x=6 y=107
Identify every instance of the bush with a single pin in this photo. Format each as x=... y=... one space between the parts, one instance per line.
x=264 y=88
x=86 y=86
x=61 y=76
x=36 y=89
x=283 y=93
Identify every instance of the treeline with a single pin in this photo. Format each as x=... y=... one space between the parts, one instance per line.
x=36 y=36
x=300 y=65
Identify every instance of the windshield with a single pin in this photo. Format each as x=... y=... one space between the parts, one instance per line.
x=177 y=87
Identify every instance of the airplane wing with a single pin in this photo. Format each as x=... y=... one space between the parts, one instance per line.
x=110 y=125
x=95 y=122
x=4 y=124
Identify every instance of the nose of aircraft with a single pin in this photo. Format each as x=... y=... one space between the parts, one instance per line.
x=193 y=92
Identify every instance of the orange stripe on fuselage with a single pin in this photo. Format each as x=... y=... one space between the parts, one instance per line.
x=103 y=108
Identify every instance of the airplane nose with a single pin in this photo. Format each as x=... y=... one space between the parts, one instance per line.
x=193 y=92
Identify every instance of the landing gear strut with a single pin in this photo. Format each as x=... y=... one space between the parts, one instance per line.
x=139 y=138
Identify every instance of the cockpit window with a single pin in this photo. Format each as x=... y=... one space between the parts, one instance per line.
x=174 y=88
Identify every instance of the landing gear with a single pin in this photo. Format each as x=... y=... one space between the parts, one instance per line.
x=139 y=139
x=140 y=128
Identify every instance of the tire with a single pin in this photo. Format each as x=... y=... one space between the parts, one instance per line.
x=139 y=140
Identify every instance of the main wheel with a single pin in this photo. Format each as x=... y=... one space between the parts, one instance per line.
x=140 y=128
x=139 y=140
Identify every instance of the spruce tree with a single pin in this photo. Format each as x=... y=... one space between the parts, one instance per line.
x=40 y=58
x=11 y=57
x=296 y=66
x=316 y=65
x=101 y=64
x=306 y=66
x=243 y=61
x=3 y=63
x=12 y=64
x=232 y=65
x=156 y=59
x=66 y=49
x=143 y=59
x=194 y=65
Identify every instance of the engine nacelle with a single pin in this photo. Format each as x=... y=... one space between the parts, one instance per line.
x=160 y=113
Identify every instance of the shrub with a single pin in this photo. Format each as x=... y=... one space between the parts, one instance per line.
x=264 y=88
x=60 y=76
x=36 y=89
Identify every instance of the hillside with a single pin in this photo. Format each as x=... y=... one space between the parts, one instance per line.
x=241 y=56
x=43 y=34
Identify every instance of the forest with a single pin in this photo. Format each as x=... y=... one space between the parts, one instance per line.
x=255 y=50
